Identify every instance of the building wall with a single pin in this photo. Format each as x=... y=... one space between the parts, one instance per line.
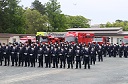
x=14 y=38
x=4 y=40
x=116 y=39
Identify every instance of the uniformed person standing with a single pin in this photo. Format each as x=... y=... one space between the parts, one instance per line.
x=78 y=59
x=100 y=53
x=121 y=50
x=20 y=54
x=115 y=50
x=48 y=58
x=26 y=57
x=92 y=56
x=6 y=56
x=125 y=51
x=40 y=57
x=62 y=58
x=32 y=56
x=55 y=58
x=86 y=58
x=13 y=56
x=1 y=53
x=70 y=58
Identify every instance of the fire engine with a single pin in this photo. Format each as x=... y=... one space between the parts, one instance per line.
x=125 y=40
x=49 y=37
x=84 y=37
x=79 y=37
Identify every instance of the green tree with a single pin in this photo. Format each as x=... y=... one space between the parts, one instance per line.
x=118 y=23
x=54 y=14
x=12 y=17
x=37 y=5
x=77 y=22
x=35 y=22
x=108 y=24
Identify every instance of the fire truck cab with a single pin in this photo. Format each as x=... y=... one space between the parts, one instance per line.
x=43 y=37
x=85 y=38
x=71 y=37
x=79 y=37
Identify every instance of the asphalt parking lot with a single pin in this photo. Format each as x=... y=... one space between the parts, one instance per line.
x=111 y=71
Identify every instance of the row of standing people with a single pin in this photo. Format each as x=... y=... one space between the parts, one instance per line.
x=28 y=55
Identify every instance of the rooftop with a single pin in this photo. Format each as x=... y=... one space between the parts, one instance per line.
x=95 y=29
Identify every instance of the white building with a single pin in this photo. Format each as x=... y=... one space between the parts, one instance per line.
x=116 y=35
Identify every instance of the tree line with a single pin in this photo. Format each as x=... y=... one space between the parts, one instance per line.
x=117 y=23
x=39 y=17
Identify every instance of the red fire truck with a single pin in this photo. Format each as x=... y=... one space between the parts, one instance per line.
x=125 y=40
x=71 y=37
x=84 y=37
x=79 y=37
x=48 y=38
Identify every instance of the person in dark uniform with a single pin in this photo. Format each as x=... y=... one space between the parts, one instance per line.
x=92 y=56
x=48 y=58
x=55 y=58
x=100 y=53
x=78 y=58
x=70 y=58
x=112 y=50
x=32 y=56
x=6 y=56
x=20 y=54
x=121 y=48
x=3 y=49
x=104 y=49
x=36 y=48
x=13 y=56
x=40 y=57
x=115 y=50
x=109 y=50
x=62 y=58
x=1 y=53
x=26 y=57
x=125 y=51
x=86 y=58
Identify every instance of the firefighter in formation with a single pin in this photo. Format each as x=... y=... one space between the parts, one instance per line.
x=58 y=55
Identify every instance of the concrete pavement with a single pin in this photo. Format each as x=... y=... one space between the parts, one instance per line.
x=111 y=71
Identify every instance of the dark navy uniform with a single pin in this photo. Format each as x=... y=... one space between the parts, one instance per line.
x=40 y=57
x=1 y=53
x=70 y=58
x=32 y=57
x=6 y=56
x=55 y=58
x=78 y=59
x=14 y=56
x=115 y=50
x=20 y=55
x=92 y=56
x=121 y=48
x=86 y=58
x=47 y=55
x=62 y=58
x=100 y=53
x=26 y=57
x=125 y=51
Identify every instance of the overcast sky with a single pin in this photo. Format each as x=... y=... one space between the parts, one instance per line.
x=99 y=11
